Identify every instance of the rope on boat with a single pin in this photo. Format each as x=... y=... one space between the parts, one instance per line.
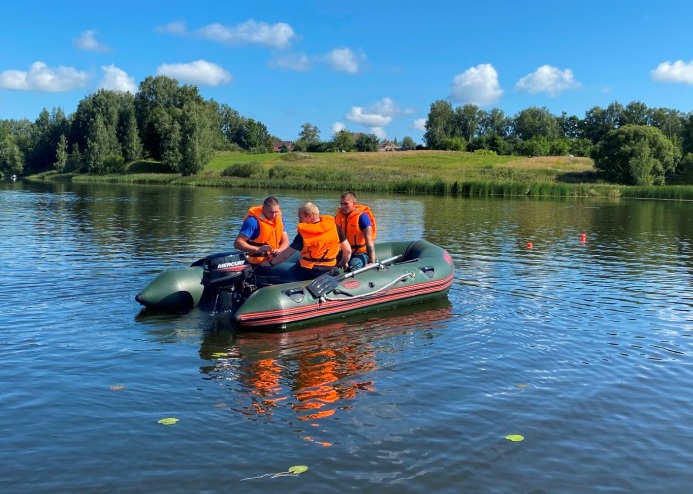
x=410 y=274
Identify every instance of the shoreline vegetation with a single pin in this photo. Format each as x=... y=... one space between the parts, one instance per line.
x=454 y=173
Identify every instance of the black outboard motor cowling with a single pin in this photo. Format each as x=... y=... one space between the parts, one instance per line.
x=225 y=269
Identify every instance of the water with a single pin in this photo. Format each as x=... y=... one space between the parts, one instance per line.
x=583 y=348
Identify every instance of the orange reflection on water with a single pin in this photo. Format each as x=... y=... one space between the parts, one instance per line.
x=321 y=379
x=315 y=373
x=265 y=377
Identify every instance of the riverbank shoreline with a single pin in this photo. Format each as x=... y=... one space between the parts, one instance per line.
x=406 y=172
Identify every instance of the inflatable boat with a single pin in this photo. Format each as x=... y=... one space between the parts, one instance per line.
x=408 y=273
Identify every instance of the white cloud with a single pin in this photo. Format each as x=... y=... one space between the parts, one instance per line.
x=117 y=80
x=419 y=124
x=379 y=114
x=249 y=33
x=87 y=42
x=387 y=107
x=477 y=86
x=549 y=80
x=42 y=78
x=298 y=62
x=678 y=71
x=379 y=133
x=200 y=73
x=343 y=60
x=338 y=127
x=357 y=115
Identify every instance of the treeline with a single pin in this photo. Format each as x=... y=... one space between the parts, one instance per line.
x=631 y=145
x=164 y=122
x=174 y=125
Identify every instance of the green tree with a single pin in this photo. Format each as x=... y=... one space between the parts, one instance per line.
x=467 y=120
x=684 y=170
x=130 y=140
x=581 y=147
x=408 y=144
x=366 y=143
x=75 y=161
x=344 y=141
x=309 y=134
x=536 y=122
x=494 y=122
x=196 y=140
x=439 y=125
x=569 y=126
x=538 y=145
x=635 y=155
x=231 y=123
x=162 y=94
x=669 y=121
x=255 y=137
x=43 y=139
x=11 y=158
x=106 y=107
x=598 y=121
x=454 y=144
x=170 y=131
x=100 y=143
x=61 y=154
x=559 y=147
x=636 y=113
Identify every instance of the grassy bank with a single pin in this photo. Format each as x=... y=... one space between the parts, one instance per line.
x=409 y=172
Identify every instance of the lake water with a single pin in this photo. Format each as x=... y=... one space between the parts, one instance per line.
x=583 y=348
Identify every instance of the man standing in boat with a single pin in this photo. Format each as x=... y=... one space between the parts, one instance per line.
x=319 y=240
x=262 y=235
x=358 y=224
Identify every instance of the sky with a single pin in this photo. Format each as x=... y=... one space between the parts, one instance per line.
x=365 y=66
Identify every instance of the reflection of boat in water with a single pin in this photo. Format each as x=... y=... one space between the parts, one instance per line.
x=312 y=373
x=414 y=272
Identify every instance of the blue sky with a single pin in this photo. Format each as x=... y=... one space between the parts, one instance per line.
x=365 y=66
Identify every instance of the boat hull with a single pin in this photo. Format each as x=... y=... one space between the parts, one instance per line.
x=421 y=272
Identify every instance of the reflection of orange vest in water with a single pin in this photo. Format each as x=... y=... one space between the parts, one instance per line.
x=320 y=242
x=270 y=233
x=350 y=226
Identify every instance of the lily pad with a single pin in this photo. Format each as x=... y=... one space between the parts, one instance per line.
x=515 y=437
x=168 y=421
x=298 y=469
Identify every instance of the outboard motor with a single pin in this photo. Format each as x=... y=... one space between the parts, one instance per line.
x=229 y=275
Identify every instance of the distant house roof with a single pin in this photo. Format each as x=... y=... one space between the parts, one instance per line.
x=387 y=146
x=280 y=146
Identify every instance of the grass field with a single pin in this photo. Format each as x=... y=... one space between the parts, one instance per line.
x=409 y=172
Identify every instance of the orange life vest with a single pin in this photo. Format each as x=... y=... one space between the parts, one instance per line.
x=320 y=242
x=350 y=226
x=270 y=233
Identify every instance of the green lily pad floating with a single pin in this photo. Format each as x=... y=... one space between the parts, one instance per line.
x=515 y=437
x=168 y=421
x=298 y=469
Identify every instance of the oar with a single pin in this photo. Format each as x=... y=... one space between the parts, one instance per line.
x=325 y=283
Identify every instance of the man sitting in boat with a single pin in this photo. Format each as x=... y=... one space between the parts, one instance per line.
x=319 y=240
x=358 y=224
x=262 y=235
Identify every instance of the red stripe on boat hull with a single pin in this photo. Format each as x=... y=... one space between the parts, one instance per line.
x=282 y=317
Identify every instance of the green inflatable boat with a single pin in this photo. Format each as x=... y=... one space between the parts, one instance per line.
x=408 y=273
